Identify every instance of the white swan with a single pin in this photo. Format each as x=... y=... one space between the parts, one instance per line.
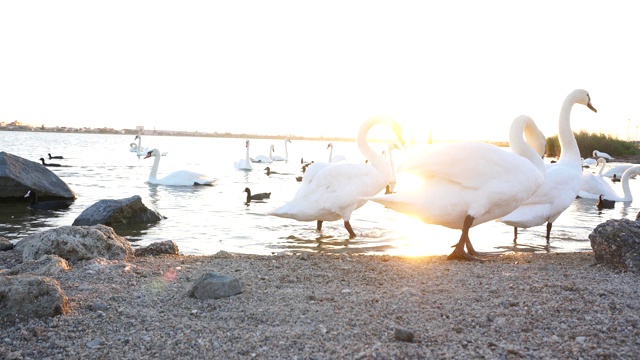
x=563 y=179
x=626 y=190
x=244 y=164
x=286 y=152
x=331 y=192
x=589 y=162
x=265 y=159
x=597 y=154
x=335 y=158
x=467 y=184
x=594 y=184
x=137 y=148
x=181 y=177
x=617 y=171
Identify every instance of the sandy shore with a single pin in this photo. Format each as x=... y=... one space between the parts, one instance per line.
x=314 y=306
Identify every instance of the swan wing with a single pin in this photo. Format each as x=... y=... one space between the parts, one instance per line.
x=469 y=164
x=185 y=178
x=331 y=192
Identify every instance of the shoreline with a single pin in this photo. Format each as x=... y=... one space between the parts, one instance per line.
x=309 y=305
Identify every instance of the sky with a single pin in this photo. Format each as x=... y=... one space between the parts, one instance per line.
x=461 y=70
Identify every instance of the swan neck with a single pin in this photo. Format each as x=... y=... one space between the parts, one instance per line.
x=154 y=169
x=568 y=145
x=521 y=126
x=626 y=190
x=377 y=160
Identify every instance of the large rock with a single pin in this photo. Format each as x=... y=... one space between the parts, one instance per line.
x=27 y=296
x=75 y=243
x=616 y=244
x=167 y=247
x=215 y=286
x=19 y=175
x=47 y=265
x=118 y=212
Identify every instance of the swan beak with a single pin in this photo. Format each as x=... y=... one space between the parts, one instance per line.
x=591 y=107
x=148 y=155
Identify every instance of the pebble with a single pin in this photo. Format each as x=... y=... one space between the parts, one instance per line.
x=402 y=334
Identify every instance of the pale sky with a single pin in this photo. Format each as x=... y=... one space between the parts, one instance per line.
x=464 y=69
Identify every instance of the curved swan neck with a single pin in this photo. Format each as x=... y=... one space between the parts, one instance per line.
x=626 y=190
x=524 y=127
x=154 y=169
x=374 y=158
x=602 y=162
x=568 y=144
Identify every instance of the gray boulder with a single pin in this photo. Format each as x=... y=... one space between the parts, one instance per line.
x=19 y=175
x=47 y=265
x=75 y=243
x=117 y=213
x=616 y=244
x=167 y=247
x=5 y=244
x=27 y=296
x=215 y=286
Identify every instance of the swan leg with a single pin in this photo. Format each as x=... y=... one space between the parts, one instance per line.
x=459 y=253
x=347 y=226
x=549 y=230
x=319 y=225
x=515 y=235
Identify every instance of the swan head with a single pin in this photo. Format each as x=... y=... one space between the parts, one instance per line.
x=246 y=143
x=150 y=153
x=330 y=145
x=137 y=137
x=582 y=97
x=601 y=161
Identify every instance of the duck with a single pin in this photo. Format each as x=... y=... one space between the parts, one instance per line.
x=54 y=157
x=259 y=196
x=286 y=152
x=615 y=178
x=469 y=183
x=49 y=164
x=334 y=158
x=333 y=191
x=563 y=180
x=244 y=164
x=269 y=172
x=604 y=203
x=597 y=154
x=45 y=205
x=266 y=159
x=177 y=178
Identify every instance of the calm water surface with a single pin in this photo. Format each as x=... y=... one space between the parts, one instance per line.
x=205 y=220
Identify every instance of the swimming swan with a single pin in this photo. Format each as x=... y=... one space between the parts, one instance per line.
x=332 y=191
x=467 y=184
x=267 y=159
x=244 y=164
x=563 y=179
x=286 y=152
x=612 y=195
x=177 y=178
x=594 y=184
x=335 y=158
x=597 y=154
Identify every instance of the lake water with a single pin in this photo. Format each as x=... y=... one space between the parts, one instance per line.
x=205 y=220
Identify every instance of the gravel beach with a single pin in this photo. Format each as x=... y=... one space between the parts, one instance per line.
x=316 y=306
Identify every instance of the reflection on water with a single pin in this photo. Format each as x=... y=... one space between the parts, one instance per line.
x=205 y=220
